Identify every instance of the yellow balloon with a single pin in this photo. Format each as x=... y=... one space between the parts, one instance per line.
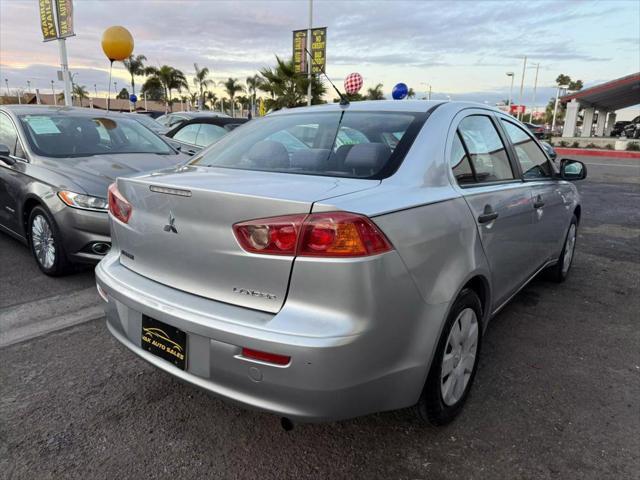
x=117 y=43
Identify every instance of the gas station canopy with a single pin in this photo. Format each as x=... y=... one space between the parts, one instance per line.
x=610 y=96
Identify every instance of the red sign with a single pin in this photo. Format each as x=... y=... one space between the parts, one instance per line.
x=516 y=109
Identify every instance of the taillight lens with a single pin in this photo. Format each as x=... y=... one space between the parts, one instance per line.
x=119 y=207
x=331 y=234
x=266 y=356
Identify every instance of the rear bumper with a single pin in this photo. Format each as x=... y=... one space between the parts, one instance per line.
x=345 y=366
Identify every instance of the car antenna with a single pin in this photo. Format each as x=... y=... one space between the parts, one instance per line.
x=343 y=99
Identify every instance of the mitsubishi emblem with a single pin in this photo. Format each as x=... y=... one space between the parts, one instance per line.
x=171 y=226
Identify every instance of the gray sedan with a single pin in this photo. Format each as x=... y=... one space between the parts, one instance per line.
x=350 y=271
x=55 y=167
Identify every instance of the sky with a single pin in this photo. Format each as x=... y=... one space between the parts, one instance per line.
x=462 y=49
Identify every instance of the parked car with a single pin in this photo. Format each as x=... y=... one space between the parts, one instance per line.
x=551 y=152
x=632 y=130
x=150 y=123
x=538 y=130
x=618 y=128
x=55 y=166
x=193 y=135
x=172 y=120
x=328 y=281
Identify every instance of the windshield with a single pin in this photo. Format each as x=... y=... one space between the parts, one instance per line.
x=83 y=135
x=341 y=143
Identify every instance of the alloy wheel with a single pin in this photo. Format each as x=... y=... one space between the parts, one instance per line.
x=459 y=356
x=43 y=241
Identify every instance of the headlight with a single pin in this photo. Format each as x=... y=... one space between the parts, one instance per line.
x=85 y=202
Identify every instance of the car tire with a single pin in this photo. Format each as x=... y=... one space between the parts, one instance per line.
x=560 y=271
x=455 y=362
x=45 y=242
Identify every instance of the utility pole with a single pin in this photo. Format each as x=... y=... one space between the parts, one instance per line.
x=309 y=60
x=64 y=65
x=512 y=75
x=535 y=88
x=524 y=69
x=53 y=92
x=555 y=107
x=28 y=86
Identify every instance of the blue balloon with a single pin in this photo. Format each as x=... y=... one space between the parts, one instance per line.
x=133 y=98
x=400 y=91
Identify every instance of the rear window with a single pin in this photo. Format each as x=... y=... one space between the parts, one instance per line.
x=342 y=143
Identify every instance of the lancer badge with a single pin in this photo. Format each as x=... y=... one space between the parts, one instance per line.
x=171 y=226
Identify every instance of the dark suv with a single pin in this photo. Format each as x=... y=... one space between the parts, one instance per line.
x=632 y=130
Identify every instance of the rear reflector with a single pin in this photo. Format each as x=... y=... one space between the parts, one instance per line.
x=330 y=234
x=265 y=357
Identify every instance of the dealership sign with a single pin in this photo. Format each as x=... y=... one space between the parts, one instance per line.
x=56 y=19
x=318 y=51
x=517 y=109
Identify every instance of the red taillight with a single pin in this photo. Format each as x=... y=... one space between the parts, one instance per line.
x=265 y=356
x=331 y=234
x=118 y=205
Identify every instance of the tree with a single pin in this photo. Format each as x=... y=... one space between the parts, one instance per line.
x=212 y=98
x=252 y=87
x=80 y=91
x=231 y=87
x=561 y=80
x=288 y=89
x=152 y=89
x=245 y=102
x=411 y=93
x=201 y=81
x=123 y=95
x=375 y=93
x=170 y=79
x=135 y=66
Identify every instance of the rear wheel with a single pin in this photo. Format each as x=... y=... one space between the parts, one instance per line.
x=455 y=362
x=46 y=243
x=560 y=271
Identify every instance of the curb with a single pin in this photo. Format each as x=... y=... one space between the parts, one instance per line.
x=598 y=153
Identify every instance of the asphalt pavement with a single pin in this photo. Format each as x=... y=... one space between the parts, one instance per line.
x=557 y=394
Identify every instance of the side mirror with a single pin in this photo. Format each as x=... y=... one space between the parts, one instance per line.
x=5 y=155
x=572 y=170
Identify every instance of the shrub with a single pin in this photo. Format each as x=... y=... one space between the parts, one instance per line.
x=592 y=145
x=563 y=143
x=633 y=147
x=609 y=146
x=575 y=145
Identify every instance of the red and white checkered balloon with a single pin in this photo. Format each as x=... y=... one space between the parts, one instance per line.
x=353 y=83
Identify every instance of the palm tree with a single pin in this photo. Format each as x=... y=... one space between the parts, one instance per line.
x=252 y=88
x=232 y=87
x=411 y=93
x=288 y=89
x=135 y=66
x=201 y=81
x=245 y=103
x=170 y=78
x=80 y=91
x=375 y=93
x=212 y=98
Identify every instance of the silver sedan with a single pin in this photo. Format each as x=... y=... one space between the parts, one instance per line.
x=334 y=261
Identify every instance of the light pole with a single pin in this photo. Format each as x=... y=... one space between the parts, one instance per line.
x=524 y=70
x=309 y=60
x=6 y=82
x=28 y=86
x=95 y=89
x=512 y=75
x=535 y=88
x=53 y=92
x=71 y=76
x=555 y=107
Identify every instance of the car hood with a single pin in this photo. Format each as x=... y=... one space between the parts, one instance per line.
x=95 y=173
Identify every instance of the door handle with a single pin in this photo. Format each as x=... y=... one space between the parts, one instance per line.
x=489 y=215
x=539 y=203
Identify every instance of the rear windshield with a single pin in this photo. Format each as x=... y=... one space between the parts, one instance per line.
x=82 y=135
x=342 y=143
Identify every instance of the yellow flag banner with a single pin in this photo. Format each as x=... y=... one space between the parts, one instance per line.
x=47 y=21
x=319 y=49
x=65 y=18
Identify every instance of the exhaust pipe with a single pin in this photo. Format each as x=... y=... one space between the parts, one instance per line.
x=287 y=424
x=100 y=248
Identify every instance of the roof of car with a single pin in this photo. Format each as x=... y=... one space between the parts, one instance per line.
x=53 y=110
x=215 y=120
x=205 y=113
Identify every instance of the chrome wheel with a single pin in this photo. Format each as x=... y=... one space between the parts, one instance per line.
x=569 y=248
x=459 y=356
x=43 y=241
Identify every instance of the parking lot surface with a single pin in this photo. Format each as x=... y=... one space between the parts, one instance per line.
x=557 y=393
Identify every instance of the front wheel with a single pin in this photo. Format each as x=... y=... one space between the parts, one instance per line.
x=46 y=243
x=560 y=271
x=455 y=362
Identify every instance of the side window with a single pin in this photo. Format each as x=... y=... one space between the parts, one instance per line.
x=532 y=160
x=488 y=155
x=460 y=163
x=8 y=134
x=188 y=134
x=208 y=134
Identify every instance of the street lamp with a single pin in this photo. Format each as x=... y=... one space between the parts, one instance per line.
x=28 y=86
x=53 y=92
x=512 y=75
x=555 y=107
x=6 y=82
